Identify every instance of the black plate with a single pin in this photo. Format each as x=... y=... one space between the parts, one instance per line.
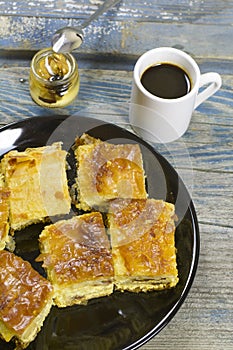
x=122 y=320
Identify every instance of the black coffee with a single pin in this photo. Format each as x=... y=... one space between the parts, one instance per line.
x=166 y=80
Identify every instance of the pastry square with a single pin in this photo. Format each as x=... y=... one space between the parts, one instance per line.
x=25 y=299
x=143 y=244
x=37 y=181
x=4 y=214
x=77 y=258
x=107 y=171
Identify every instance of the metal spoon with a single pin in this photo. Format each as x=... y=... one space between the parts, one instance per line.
x=68 y=39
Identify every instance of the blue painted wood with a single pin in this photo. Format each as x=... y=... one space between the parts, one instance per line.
x=126 y=37
x=203 y=12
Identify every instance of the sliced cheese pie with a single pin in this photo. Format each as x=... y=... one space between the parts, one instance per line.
x=107 y=171
x=76 y=255
x=36 y=179
x=25 y=299
x=143 y=244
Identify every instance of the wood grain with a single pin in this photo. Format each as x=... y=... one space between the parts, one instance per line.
x=198 y=27
x=207 y=12
x=112 y=36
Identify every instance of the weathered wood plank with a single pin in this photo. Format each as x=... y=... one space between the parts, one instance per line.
x=107 y=86
x=125 y=37
x=212 y=194
x=207 y=12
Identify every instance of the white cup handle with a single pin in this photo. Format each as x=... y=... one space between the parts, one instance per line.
x=215 y=82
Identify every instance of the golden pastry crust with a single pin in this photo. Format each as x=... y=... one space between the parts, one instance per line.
x=143 y=244
x=25 y=299
x=76 y=255
x=4 y=215
x=36 y=179
x=107 y=171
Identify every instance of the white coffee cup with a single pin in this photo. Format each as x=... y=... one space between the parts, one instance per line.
x=164 y=120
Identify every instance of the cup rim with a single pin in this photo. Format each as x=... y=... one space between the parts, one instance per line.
x=137 y=77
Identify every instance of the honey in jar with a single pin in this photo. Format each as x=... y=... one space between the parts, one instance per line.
x=54 y=78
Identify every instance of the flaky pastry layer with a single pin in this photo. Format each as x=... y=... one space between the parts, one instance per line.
x=36 y=179
x=76 y=255
x=25 y=299
x=4 y=216
x=107 y=171
x=143 y=244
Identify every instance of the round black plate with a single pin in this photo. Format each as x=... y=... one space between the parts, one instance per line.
x=122 y=320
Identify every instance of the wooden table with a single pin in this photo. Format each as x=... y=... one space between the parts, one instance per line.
x=203 y=157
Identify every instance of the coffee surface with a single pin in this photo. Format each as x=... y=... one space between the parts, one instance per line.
x=166 y=80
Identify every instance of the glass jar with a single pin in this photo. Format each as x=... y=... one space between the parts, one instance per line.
x=54 y=78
